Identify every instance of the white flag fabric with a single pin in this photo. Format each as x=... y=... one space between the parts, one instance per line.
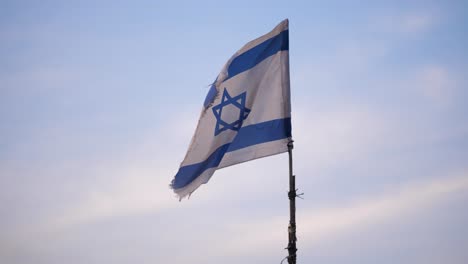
x=246 y=114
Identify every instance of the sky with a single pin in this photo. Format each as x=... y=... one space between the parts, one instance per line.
x=99 y=100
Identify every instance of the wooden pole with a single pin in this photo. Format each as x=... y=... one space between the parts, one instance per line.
x=292 y=209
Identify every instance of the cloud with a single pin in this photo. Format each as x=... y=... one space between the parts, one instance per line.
x=318 y=225
x=415 y=22
x=420 y=196
x=435 y=83
x=138 y=191
x=140 y=185
x=332 y=136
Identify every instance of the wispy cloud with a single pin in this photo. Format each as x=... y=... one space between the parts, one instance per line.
x=139 y=191
x=406 y=22
x=436 y=83
x=317 y=225
x=142 y=185
x=414 y=23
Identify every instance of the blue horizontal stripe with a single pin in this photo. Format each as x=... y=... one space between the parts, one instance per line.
x=246 y=137
x=250 y=58
x=261 y=133
x=187 y=174
x=257 y=54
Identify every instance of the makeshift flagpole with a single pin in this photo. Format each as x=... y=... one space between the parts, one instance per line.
x=292 y=194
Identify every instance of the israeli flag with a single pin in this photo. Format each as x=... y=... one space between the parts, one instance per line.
x=246 y=114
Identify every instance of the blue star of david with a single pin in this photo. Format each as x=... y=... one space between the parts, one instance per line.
x=237 y=101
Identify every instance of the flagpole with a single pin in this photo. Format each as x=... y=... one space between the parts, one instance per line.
x=292 y=209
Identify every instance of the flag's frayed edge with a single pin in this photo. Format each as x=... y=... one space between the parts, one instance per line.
x=207 y=174
x=191 y=187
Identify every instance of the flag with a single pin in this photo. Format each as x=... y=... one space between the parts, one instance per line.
x=246 y=114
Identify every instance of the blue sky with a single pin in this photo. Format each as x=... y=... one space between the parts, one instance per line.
x=99 y=100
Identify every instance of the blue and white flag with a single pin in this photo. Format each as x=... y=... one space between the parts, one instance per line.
x=246 y=114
